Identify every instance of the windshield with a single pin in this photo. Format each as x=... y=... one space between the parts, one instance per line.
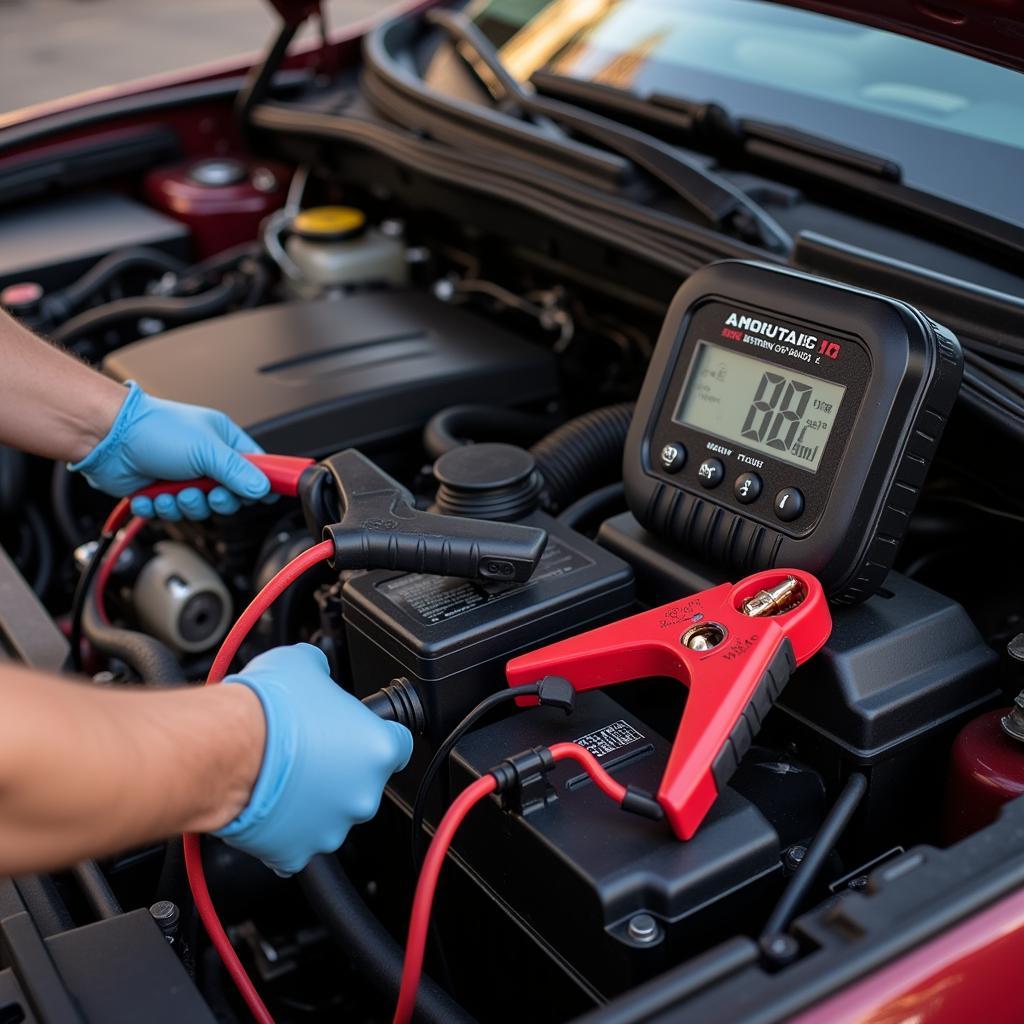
x=953 y=123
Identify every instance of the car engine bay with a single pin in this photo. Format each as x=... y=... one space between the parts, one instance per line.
x=495 y=344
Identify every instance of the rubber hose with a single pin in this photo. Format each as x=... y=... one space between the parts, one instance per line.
x=177 y=309
x=584 y=454
x=153 y=661
x=63 y=503
x=590 y=505
x=371 y=949
x=460 y=424
x=96 y=890
x=43 y=550
x=13 y=470
x=61 y=304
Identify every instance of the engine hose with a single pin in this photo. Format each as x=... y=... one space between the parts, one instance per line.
x=61 y=498
x=13 y=471
x=59 y=305
x=460 y=424
x=584 y=454
x=153 y=661
x=371 y=949
x=43 y=548
x=96 y=890
x=176 y=309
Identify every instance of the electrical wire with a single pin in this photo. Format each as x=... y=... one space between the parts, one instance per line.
x=259 y=605
x=114 y=522
x=426 y=886
x=122 y=541
x=443 y=752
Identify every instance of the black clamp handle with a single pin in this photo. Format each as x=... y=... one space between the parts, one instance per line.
x=379 y=527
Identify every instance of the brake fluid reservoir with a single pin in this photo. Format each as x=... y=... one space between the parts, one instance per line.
x=335 y=248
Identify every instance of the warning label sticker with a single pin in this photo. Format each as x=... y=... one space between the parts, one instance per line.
x=608 y=740
x=433 y=599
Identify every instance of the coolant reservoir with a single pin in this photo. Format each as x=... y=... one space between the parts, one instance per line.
x=333 y=247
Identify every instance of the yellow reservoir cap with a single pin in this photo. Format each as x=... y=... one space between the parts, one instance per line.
x=329 y=222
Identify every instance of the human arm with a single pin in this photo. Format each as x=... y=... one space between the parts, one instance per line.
x=282 y=764
x=118 y=437
x=51 y=404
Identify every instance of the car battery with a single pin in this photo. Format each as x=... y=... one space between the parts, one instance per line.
x=885 y=696
x=640 y=898
x=451 y=637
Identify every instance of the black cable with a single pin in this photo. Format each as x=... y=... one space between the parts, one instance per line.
x=821 y=846
x=590 y=504
x=43 y=549
x=82 y=591
x=96 y=889
x=443 y=752
x=61 y=484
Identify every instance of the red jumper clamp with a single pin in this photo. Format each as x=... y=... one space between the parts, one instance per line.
x=734 y=648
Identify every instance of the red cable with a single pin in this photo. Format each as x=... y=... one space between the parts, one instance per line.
x=113 y=556
x=604 y=782
x=419 y=922
x=193 y=857
x=118 y=516
x=426 y=886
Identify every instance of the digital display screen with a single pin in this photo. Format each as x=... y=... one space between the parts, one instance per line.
x=760 y=406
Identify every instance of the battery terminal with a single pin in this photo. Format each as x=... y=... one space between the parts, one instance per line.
x=783 y=597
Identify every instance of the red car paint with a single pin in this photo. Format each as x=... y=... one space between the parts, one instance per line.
x=965 y=974
x=721 y=711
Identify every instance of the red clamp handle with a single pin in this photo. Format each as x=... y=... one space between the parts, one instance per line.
x=731 y=686
x=283 y=471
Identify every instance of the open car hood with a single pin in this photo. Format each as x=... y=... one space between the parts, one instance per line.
x=992 y=30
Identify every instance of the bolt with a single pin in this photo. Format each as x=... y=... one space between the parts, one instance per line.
x=643 y=928
x=858 y=883
x=166 y=915
x=1013 y=723
x=780 y=949
x=794 y=855
x=704 y=637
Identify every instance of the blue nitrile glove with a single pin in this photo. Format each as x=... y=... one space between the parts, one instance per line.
x=325 y=765
x=152 y=439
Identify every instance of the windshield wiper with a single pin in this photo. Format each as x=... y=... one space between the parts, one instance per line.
x=812 y=157
x=720 y=202
x=711 y=124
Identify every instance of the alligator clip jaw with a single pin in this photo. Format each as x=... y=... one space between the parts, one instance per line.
x=733 y=647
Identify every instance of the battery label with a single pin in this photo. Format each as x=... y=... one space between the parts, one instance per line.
x=433 y=599
x=611 y=738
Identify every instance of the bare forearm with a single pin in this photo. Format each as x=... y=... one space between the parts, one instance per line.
x=50 y=403
x=86 y=771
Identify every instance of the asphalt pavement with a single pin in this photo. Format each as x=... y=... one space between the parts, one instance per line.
x=50 y=48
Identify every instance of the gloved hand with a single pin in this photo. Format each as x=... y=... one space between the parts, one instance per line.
x=325 y=765
x=152 y=439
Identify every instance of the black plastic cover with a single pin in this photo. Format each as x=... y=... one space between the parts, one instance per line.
x=452 y=636
x=117 y=971
x=312 y=378
x=578 y=868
